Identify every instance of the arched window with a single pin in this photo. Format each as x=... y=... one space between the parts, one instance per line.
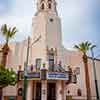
x=49 y=5
x=51 y=60
x=79 y=92
x=38 y=63
x=20 y=92
x=42 y=7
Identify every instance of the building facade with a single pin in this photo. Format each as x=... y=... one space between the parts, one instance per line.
x=46 y=51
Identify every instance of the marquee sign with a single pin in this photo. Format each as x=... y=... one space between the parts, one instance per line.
x=57 y=75
x=33 y=75
x=48 y=75
x=30 y=76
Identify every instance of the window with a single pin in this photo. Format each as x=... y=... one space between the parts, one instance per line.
x=38 y=63
x=68 y=91
x=51 y=19
x=51 y=61
x=42 y=7
x=79 y=92
x=20 y=92
x=49 y=5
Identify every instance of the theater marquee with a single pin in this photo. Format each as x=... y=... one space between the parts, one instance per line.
x=57 y=75
x=48 y=76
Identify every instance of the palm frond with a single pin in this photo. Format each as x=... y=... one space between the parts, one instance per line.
x=83 y=46
x=93 y=46
x=87 y=44
x=8 y=32
x=12 y=32
x=76 y=47
x=4 y=29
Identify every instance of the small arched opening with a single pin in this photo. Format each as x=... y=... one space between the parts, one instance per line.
x=42 y=6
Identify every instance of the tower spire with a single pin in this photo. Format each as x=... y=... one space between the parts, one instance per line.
x=47 y=6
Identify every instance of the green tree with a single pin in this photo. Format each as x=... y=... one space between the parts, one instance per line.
x=7 y=77
x=84 y=47
x=8 y=33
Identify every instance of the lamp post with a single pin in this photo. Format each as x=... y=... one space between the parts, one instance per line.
x=0 y=56
x=94 y=70
x=26 y=64
x=25 y=71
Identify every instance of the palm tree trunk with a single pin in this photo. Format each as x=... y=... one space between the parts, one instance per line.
x=5 y=51
x=0 y=93
x=87 y=78
x=4 y=59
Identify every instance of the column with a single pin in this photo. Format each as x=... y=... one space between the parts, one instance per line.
x=34 y=90
x=59 y=90
x=29 y=95
x=44 y=90
x=62 y=90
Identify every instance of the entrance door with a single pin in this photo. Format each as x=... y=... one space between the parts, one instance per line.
x=51 y=91
x=38 y=91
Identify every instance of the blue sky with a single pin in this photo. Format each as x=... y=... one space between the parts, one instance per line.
x=80 y=19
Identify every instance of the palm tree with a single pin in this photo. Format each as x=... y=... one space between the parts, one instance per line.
x=7 y=77
x=8 y=32
x=84 y=47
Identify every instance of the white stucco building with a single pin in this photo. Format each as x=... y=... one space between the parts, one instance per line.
x=46 y=24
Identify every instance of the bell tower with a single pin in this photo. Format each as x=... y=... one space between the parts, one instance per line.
x=47 y=5
x=46 y=23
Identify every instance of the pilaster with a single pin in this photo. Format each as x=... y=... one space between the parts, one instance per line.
x=44 y=90
x=29 y=95
x=59 y=90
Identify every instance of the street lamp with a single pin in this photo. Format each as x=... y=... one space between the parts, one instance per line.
x=0 y=56
x=94 y=70
x=26 y=64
